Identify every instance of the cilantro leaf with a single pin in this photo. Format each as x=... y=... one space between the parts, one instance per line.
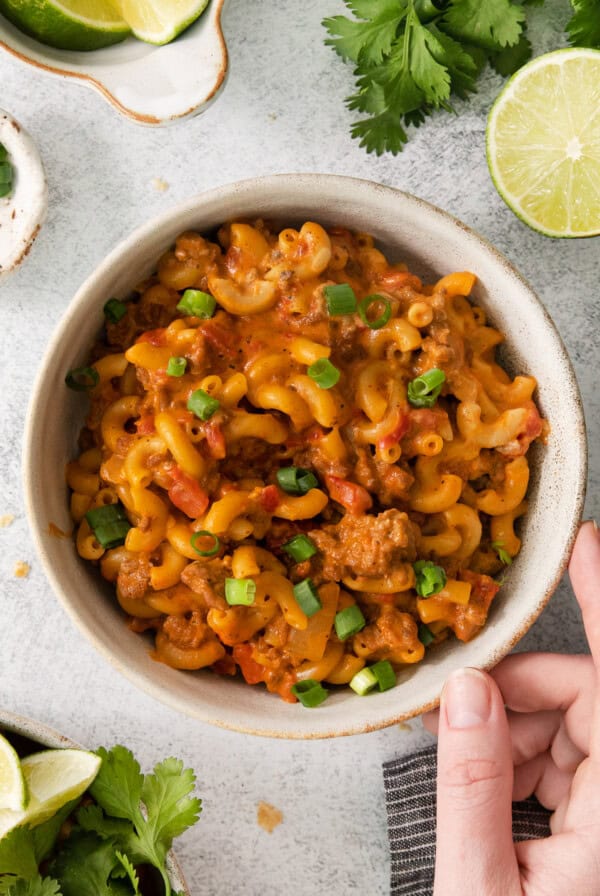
x=430 y=76
x=503 y=555
x=368 y=40
x=584 y=26
x=130 y=871
x=507 y=61
x=492 y=25
x=45 y=835
x=17 y=853
x=35 y=886
x=84 y=865
x=118 y=785
x=166 y=795
x=461 y=65
x=93 y=820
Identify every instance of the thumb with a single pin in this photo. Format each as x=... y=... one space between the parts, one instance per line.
x=474 y=852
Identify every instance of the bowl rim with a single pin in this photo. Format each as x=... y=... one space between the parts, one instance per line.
x=139 y=235
x=46 y=736
x=98 y=85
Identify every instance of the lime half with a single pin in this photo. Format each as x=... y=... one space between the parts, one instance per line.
x=160 y=21
x=543 y=143
x=54 y=778
x=68 y=24
x=13 y=792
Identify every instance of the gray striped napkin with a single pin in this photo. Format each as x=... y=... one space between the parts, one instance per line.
x=410 y=800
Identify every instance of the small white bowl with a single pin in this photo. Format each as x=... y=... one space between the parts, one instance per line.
x=151 y=85
x=433 y=243
x=41 y=734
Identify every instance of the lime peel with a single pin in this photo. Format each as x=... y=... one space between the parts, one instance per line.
x=160 y=21
x=13 y=790
x=543 y=143
x=54 y=778
x=68 y=24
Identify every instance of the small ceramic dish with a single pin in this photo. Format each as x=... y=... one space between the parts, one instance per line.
x=151 y=85
x=26 y=734
x=432 y=243
x=22 y=212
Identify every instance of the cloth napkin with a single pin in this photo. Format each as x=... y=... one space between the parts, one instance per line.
x=410 y=784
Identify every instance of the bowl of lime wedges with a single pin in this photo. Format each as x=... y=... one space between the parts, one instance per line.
x=155 y=62
x=75 y=821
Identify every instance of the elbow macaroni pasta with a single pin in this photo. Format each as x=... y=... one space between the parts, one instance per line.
x=394 y=483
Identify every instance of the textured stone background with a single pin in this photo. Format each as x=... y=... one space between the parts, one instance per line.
x=282 y=110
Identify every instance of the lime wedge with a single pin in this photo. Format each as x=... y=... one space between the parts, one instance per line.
x=56 y=777
x=13 y=792
x=68 y=24
x=543 y=143
x=160 y=21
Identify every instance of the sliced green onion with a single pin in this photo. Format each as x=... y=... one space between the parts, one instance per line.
x=348 y=622
x=5 y=189
x=363 y=682
x=300 y=548
x=296 y=480
x=207 y=552
x=383 y=318
x=81 y=379
x=176 y=366
x=202 y=404
x=6 y=173
x=309 y=692
x=430 y=578
x=503 y=554
x=307 y=597
x=385 y=675
x=324 y=373
x=424 y=390
x=426 y=636
x=114 y=310
x=109 y=524
x=240 y=592
x=197 y=303
x=3 y=152
x=340 y=299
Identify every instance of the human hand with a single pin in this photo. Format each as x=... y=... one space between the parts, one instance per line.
x=547 y=743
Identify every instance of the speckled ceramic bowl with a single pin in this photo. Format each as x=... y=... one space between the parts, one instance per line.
x=433 y=243
x=151 y=85
x=20 y=730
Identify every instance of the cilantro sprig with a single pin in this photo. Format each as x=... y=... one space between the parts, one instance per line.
x=411 y=57
x=133 y=821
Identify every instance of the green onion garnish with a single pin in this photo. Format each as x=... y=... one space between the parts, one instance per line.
x=385 y=675
x=340 y=299
x=324 y=373
x=424 y=390
x=383 y=318
x=309 y=692
x=3 y=152
x=197 y=303
x=296 y=480
x=430 y=578
x=5 y=189
x=207 y=552
x=202 y=404
x=114 y=310
x=307 y=598
x=6 y=173
x=81 y=379
x=426 y=636
x=240 y=592
x=109 y=524
x=348 y=622
x=363 y=682
x=176 y=366
x=6 y=177
x=503 y=555
x=300 y=548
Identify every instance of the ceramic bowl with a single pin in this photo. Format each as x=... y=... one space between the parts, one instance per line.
x=26 y=734
x=433 y=243
x=151 y=85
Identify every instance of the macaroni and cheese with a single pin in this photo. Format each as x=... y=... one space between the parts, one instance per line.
x=300 y=462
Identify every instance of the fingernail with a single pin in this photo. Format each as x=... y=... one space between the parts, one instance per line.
x=466 y=699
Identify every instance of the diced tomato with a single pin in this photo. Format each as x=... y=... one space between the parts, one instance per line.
x=154 y=337
x=484 y=587
x=285 y=688
x=397 y=279
x=145 y=424
x=398 y=432
x=218 y=337
x=187 y=494
x=215 y=440
x=269 y=498
x=353 y=497
x=252 y=671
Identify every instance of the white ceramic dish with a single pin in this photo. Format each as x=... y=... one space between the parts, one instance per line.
x=151 y=85
x=48 y=737
x=433 y=243
x=22 y=212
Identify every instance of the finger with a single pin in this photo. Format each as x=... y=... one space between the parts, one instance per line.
x=534 y=681
x=565 y=754
x=532 y=733
x=558 y=816
x=431 y=721
x=541 y=777
x=475 y=776
x=584 y=571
